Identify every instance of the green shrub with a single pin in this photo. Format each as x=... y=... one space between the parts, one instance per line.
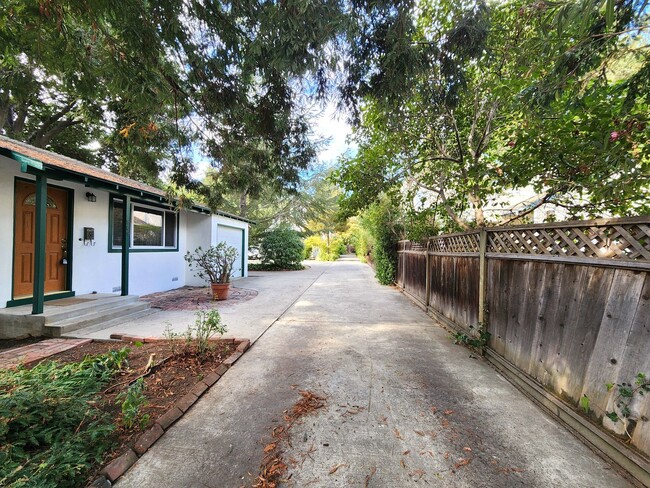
x=283 y=249
x=325 y=253
x=379 y=220
x=51 y=433
x=310 y=243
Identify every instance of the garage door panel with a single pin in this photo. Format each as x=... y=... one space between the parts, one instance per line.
x=233 y=237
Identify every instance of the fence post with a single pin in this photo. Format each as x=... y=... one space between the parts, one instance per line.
x=482 y=277
x=427 y=277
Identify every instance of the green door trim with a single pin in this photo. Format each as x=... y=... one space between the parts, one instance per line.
x=15 y=302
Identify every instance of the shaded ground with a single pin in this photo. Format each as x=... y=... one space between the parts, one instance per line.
x=11 y=343
x=404 y=406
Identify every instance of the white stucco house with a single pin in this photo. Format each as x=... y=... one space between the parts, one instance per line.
x=68 y=228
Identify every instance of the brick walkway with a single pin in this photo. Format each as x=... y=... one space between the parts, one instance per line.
x=196 y=298
x=33 y=353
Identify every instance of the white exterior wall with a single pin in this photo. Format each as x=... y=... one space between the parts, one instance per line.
x=220 y=227
x=198 y=233
x=8 y=169
x=93 y=267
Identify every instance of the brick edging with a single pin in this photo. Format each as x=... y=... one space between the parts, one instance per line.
x=120 y=465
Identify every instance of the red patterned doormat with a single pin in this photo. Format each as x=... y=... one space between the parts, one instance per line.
x=196 y=298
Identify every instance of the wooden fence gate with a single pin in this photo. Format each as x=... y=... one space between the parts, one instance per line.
x=567 y=305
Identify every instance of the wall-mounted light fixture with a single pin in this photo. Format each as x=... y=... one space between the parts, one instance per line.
x=91 y=197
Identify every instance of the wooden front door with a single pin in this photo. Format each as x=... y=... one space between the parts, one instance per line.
x=56 y=232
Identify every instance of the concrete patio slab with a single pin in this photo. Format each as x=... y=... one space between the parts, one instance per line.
x=276 y=291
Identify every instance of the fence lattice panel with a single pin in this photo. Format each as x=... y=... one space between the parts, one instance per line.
x=455 y=243
x=622 y=241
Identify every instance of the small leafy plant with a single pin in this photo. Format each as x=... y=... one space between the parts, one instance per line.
x=472 y=340
x=208 y=323
x=133 y=400
x=625 y=393
x=172 y=338
x=214 y=264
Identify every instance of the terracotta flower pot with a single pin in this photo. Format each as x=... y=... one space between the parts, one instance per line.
x=220 y=290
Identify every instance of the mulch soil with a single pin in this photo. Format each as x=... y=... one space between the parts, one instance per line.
x=12 y=343
x=171 y=378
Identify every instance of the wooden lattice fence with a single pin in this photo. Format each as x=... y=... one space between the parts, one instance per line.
x=567 y=304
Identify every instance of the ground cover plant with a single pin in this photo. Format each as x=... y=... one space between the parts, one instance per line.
x=61 y=421
x=51 y=427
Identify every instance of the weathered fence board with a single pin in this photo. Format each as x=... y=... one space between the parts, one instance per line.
x=619 y=314
x=568 y=303
x=454 y=292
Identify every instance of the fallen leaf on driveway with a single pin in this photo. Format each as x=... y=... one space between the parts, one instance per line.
x=467 y=449
x=419 y=473
x=406 y=453
x=434 y=409
x=373 y=470
x=397 y=434
x=335 y=468
x=448 y=412
x=270 y=447
x=461 y=462
x=419 y=432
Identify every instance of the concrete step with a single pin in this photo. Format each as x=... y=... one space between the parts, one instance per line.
x=110 y=323
x=94 y=316
x=54 y=315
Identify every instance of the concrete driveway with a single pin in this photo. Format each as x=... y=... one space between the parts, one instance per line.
x=404 y=406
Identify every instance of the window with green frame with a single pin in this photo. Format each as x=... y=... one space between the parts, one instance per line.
x=152 y=228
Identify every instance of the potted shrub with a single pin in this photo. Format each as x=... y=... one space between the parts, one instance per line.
x=214 y=265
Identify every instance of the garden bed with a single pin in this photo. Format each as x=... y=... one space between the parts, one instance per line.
x=159 y=377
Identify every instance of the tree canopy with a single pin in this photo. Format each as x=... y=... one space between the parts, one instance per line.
x=503 y=96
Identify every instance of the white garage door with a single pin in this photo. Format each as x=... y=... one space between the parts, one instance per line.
x=234 y=237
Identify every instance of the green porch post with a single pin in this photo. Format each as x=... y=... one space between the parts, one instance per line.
x=126 y=242
x=39 y=244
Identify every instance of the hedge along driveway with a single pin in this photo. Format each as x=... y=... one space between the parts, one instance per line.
x=403 y=406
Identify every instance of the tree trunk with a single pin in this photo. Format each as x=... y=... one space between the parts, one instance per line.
x=243 y=204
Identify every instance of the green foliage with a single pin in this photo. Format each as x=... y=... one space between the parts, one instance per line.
x=51 y=433
x=584 y=403
x=312 y=242
x=214 y=264
x=172 y=338
x=133 y=400
x=500 y=97
x=359 y=238
x=380 y=220
x=207 y=324
x=478 y=338
x=625 y=395
x=326 y=251
x=282 y=248
x=149 y=79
